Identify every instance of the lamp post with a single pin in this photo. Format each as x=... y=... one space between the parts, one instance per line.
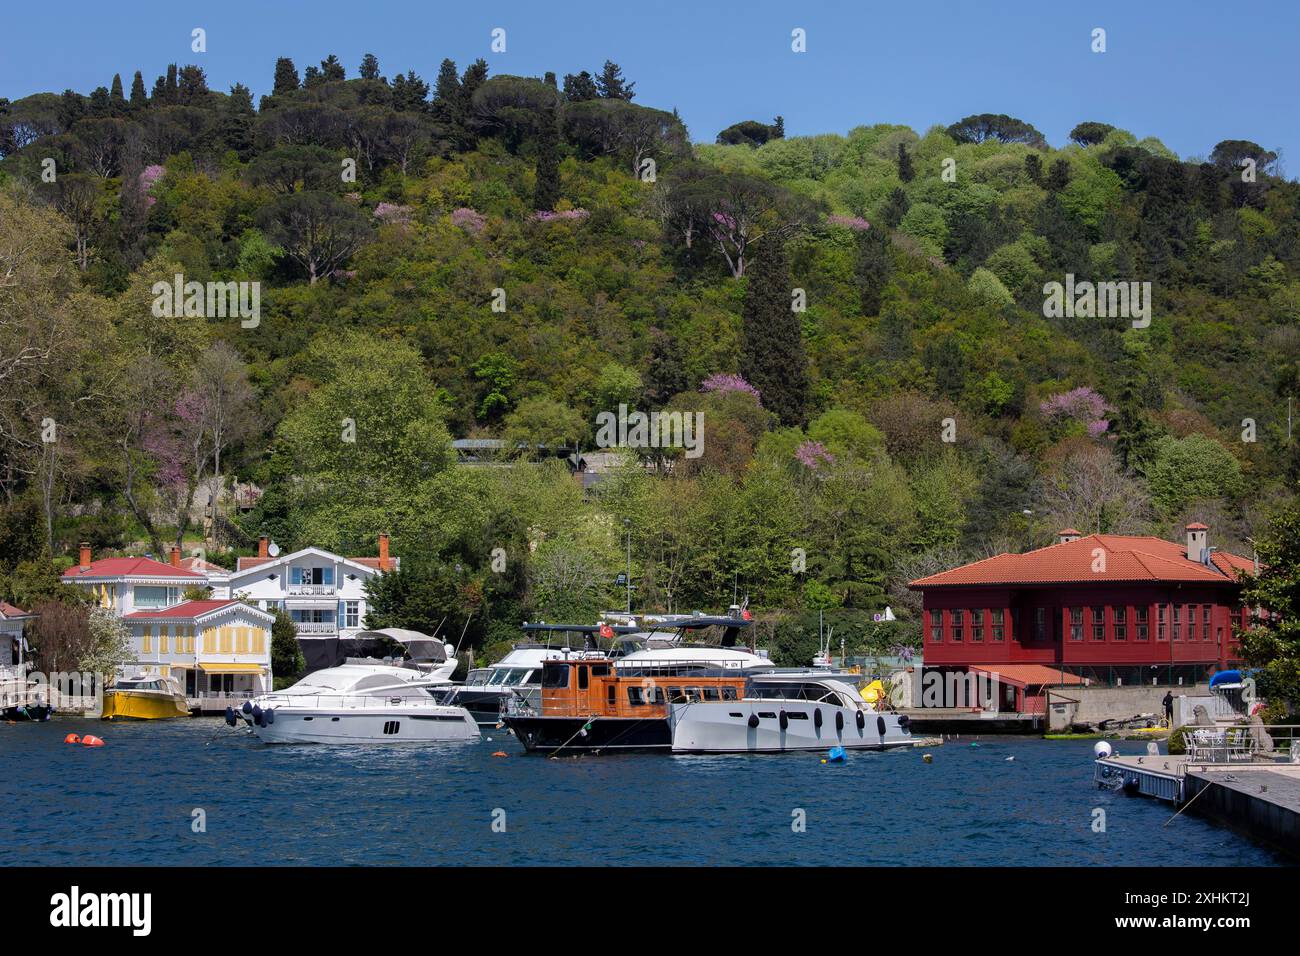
x=627 y=524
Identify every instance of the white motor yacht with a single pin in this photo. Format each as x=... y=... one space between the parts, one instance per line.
x=365 y=700
x=357 y=703
x=786 y=711
x=681 y=644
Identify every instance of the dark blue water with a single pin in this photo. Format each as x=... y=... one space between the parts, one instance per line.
x=131 y=802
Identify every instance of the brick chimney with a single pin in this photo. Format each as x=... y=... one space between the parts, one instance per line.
x=383 y=552
x=263 y=546
x=1066 y=535
x=1197 y=542
x=84 y=560
x=175 y=557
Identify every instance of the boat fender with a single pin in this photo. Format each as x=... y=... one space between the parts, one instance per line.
x=817 y=718
x=753 y=720
x=72 y=739
x=247 y=708
x=904 y=721
x=257 y=716
x=268 y=715
x=230 y=717
x=839 y=721
x=862 y=721
x=837 y=755
x=880 y=726
x=90 y=740
x=785 y=721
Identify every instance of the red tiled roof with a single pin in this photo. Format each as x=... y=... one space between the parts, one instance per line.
x=1127 y=558
x=1029 y=674
x=12 y=610
x=127 y=567
x=187 y=610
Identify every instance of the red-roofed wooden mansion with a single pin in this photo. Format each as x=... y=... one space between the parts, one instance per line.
x=216 y=647
x=1110 y=609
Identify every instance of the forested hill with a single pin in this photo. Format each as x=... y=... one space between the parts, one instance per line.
x=860 y=319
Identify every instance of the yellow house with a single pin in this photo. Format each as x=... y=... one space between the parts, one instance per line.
x=218 y=648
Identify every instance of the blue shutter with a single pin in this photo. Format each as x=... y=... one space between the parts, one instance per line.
x=342 y=619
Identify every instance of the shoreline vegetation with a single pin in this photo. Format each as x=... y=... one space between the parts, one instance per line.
x=856 y=321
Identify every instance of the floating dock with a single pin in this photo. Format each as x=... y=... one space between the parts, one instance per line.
x=1259 y=799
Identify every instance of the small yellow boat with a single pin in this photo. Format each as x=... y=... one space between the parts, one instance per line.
x=152 y=697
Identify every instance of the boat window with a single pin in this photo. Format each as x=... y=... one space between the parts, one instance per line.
x=728 y=693
x=711 y=693
x=658 y=695
x=611 y=694
x=557 y=676
x=599 y=670
x=582 y=678
x=692 y=693
x=675 y=694
x=634 y=697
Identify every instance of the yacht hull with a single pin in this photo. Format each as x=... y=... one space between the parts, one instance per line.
x=141 y=705
x=565 y=734
x=432 y=725
x=29 y=712
x=726 y=727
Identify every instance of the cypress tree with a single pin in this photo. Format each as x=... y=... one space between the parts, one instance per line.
x=872 y=268
x=116 y=97
x=173 y=85
x=547 y=188
x=772 y=354
x=139 y=99
x=895 y=208
x=905 y=171
x=369 y=67
x=286 y=76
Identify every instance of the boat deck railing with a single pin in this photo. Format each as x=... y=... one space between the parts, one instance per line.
x=345 y=701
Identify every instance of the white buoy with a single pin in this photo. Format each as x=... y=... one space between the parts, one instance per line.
x=1101 y=749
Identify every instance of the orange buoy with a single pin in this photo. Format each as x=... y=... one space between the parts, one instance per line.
x=500 y=753
x=90 y=740
x=72 y=739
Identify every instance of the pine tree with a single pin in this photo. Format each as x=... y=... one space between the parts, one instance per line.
x=666 y=374
x=579 y=88
x=778 y=128
x=286 y=76
x=611 y=83
x=547 y=188
x=331 y=69
x=139 y=99
x=1034 y=168
x=369 y=67
x=772 y=352
x=1059 y=177
x=905 y=171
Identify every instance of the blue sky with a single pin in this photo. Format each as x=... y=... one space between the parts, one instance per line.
x=1190 y=73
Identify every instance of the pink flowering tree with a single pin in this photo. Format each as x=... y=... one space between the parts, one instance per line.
x=722 y=383
x=856 y=223
x=813 y=455
x=470 y=220
x=1083 y=405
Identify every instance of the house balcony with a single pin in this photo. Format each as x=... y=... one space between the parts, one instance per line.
x=316 y=628
x=311 y=590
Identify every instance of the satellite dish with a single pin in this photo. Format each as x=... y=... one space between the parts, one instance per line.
x=273 y=550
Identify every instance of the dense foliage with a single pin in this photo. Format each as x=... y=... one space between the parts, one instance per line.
x=859 y=319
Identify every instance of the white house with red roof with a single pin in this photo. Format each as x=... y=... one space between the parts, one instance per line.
x=219 y=648
x=1099 y=609
x=322 y=592
x=124 y=585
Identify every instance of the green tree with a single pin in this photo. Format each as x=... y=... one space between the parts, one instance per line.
x=772 y=355
x=546 y=191
x=1189 y=469
x=905 y=171
x=1272 y=642
x=287 y=661
x=286 y=76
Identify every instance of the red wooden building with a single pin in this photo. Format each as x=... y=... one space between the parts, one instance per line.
x=1111 y=609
